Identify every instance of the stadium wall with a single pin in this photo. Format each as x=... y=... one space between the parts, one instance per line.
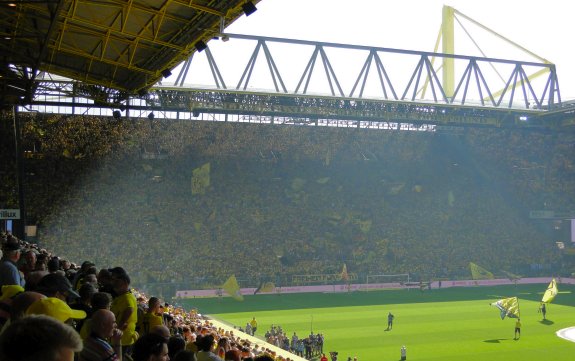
x=376 y=286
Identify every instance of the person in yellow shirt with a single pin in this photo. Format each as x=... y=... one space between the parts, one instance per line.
x=124 y=306
x=151 y=318
x=254 y=324
x=517 y=328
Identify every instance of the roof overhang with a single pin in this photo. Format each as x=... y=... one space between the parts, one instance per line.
x=119 y=44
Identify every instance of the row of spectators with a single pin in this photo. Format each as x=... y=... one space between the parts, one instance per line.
x=72 y=312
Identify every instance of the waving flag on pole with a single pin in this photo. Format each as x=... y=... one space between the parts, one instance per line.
x=551 y=292
x=232 y=288
x=479 y=273
x=508 y=307
x=344 y=275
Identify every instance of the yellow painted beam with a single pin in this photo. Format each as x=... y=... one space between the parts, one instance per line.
x=448 y=47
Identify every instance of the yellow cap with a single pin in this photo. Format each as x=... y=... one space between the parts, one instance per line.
x=56 y=308
x=9 y=291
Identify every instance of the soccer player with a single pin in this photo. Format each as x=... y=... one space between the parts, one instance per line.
x=543 y=310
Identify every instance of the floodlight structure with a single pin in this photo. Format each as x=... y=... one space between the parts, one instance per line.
x=200 y=46
x=249 y=8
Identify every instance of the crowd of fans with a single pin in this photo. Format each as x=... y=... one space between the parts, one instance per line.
x=289 y=200
x=80 y=312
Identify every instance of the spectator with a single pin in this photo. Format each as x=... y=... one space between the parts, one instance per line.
x=7 y=293
x=150 y=347
x=176 y=344
x=161 y=330
x=99 y=301
x=205 y=346
x=51 y=340
x=96 y=346
x=84 y=303
x=151 y=318
x=184 y=356
x=40 y=270
x=28 y=262
x=124 y=307
x=9 y=273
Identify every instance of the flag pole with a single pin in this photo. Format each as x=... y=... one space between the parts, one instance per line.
x=311 y=325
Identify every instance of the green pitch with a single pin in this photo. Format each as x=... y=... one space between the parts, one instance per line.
x=448 y=324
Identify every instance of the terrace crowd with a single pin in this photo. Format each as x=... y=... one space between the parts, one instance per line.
x=50 y=309
x=293 y=200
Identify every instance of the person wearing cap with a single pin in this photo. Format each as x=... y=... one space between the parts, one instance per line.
x=124 y=306
x=39 y=337
x=56 y=285
x=56 y=308
x=9 y=273
x=96 y=346
x=7 y=293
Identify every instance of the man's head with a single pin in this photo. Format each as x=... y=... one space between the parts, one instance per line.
x=91 y=279
x=101 y=301
x=30 y=258
x=120 y=279
x=86 y=292
x=21 y=303
x=161 y=330
x=65 y=264
x=85 y=265
x=53 y=264
x=39 y=338
x=11 y=248
x=103 y=323
x=56 y=285
x=154 y=305
x=104 y=277
x=205 y=343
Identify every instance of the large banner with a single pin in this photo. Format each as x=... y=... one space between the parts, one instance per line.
x=322 y=278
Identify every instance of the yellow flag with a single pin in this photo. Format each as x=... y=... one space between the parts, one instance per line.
x=232 y=288
x=551 y=292
x=479 y=273
x=508 y=307
x=201 y=179
x=265 y=287
x=344 y=274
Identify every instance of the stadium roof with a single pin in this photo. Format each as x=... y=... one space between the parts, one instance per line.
x=116 y=44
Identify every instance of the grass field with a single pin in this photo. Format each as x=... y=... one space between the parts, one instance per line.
x=447 y=324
